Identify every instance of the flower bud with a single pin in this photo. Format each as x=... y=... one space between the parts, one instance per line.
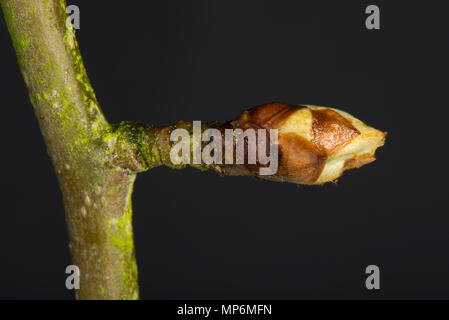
x=315 y=144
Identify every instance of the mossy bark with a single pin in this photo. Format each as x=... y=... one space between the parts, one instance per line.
x=96 y=194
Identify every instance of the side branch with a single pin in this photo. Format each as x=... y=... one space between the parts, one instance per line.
x=311 y=145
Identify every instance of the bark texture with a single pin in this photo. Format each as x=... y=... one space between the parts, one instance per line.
x=96 y=194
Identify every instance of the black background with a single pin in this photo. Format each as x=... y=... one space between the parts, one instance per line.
x=202 y=236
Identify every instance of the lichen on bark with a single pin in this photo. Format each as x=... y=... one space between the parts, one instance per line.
x=74 y=128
